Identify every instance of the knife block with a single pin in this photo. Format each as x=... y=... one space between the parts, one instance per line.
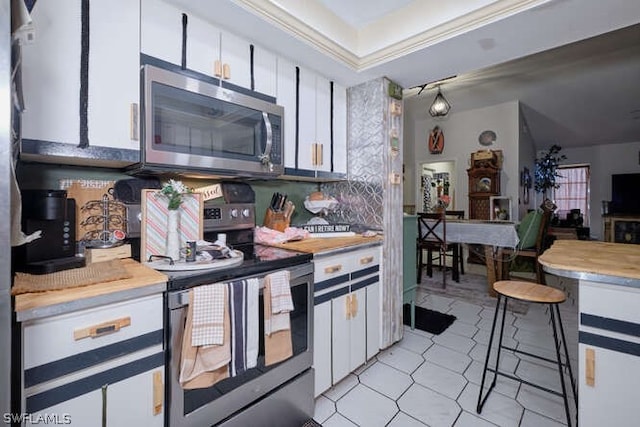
x=275 y=220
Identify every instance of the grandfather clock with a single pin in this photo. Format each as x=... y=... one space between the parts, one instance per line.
x=484 y=182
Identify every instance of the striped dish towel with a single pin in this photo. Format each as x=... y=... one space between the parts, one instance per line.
x=244 y=324
x=281 y=301
x=208 y=315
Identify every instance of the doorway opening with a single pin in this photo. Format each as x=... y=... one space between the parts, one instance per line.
x=437 y=186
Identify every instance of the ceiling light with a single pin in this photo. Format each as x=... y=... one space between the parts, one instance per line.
x=439 y=107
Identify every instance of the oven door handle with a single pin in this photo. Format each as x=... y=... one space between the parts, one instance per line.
x=298 y=275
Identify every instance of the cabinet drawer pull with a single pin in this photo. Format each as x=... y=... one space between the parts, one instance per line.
x=101 y=328
x=366 y=260
x=347 y=307
x=354 y=305
x=158 y=392
x=333 y=269
x=226 y=72
x=217 y=68
x=319 y=159
x=590 y=367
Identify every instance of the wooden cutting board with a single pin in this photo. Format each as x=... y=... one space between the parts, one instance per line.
x=610 y=259
x=315 y=245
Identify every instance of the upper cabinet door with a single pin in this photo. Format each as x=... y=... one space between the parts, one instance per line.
x=323 y=124
x=51 y=73
x=236 y=60
x=114 y=86
x=265 y=71
x=203 y=46
x=307 y=143
x=339 y=129
x=53 y=78
x=161 y=31
x=286 y=97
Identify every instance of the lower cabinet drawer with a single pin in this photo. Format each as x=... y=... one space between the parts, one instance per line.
x=60 y=337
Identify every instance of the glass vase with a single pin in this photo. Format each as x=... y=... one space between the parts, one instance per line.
x=173 y=235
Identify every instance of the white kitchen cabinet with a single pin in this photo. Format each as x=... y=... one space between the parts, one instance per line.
x=209 y=50
x=312 y=154
x=608 y=340
x=347 y=319
x=107 y=359
x=52 y=80
x=322 y=346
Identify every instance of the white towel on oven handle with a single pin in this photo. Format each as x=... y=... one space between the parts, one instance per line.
x=208 y=315
x=281 y=301
x=274 y=322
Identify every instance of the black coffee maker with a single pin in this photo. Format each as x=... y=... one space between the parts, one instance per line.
x=51 y=212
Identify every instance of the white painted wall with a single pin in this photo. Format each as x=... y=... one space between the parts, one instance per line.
x=461 y=132
x=605 y=160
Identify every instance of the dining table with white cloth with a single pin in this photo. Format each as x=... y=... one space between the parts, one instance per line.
x=493 y=235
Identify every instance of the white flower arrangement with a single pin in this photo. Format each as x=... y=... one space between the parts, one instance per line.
x=174 y=190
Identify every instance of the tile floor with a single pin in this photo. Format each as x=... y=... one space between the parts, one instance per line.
x=433 y=380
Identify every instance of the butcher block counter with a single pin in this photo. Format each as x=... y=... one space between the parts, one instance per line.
x=615 y=263
x=144 y=281
x=317 y=245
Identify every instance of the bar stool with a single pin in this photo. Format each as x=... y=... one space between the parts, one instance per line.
x=533 y=293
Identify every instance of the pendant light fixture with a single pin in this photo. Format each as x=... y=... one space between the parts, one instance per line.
x=439 y=107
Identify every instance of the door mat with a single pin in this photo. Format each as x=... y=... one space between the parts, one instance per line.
x=427 y=320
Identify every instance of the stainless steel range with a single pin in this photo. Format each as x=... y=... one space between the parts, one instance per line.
x=275 y=395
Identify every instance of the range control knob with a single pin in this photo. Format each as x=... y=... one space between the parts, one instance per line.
x=234 y=213
x=246 y=213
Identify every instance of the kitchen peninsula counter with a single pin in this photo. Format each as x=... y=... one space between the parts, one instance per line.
x=614 y=263
x=609 y=326
x=144 y=281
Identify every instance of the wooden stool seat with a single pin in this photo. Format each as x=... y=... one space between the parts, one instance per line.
x=530 y=292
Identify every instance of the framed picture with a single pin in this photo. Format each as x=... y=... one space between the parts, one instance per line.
x=153 y=232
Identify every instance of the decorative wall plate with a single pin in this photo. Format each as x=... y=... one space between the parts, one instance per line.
x=487 y=137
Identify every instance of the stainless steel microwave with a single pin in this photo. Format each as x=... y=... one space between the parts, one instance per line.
x=193 y=126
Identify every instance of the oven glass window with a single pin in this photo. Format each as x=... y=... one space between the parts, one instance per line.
x=194 y=399
x=190 y=123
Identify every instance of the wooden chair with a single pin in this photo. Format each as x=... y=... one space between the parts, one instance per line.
x=509 y=254
x=457 y=215
x=432 y=237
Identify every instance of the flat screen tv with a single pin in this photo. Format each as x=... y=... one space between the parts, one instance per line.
x=625 y=193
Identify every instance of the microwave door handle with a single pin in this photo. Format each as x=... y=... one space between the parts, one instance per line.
x=265 y=157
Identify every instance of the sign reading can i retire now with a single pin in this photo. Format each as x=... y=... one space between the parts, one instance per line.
x=210 y=192
x=326 y=228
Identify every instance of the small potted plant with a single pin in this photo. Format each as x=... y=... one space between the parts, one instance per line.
x=546 y=170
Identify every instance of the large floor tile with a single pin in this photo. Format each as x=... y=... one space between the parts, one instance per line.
x=366 y=407
x=337 y=420
x=459 y=327
x=429 y=407
x=386 y=380
x=543 y=403
x=454 y=342
x=467 y=419
x=504 y=385
x=440 y=379
x=324 y=409
x=498 y=409
x=404 y=420
x=415 y=342
x=401 y=359
x=447 y=358
x=340 y=389
x=531 y=419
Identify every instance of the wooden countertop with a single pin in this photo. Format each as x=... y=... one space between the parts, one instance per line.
x=599 y=258
x=314 y=245
x=37 y=302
